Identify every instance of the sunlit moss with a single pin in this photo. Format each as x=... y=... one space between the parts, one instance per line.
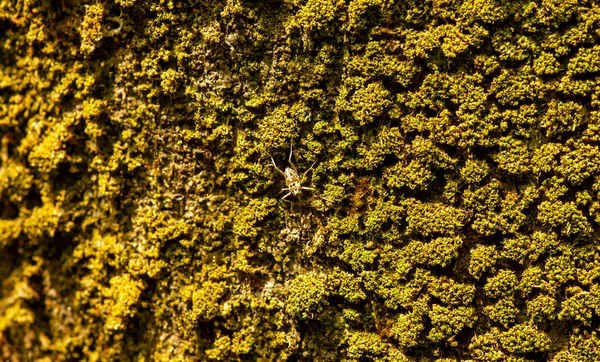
x=451 y=213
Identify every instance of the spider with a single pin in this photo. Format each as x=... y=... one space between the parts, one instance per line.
x=292 y=179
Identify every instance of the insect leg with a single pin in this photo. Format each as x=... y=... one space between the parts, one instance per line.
x=305 y=172
x=326 y=199
x=277 y=168
x=290 y=160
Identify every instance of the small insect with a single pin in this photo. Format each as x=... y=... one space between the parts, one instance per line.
x=292 y=179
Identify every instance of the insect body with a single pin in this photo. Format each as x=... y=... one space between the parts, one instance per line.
x=292 y=180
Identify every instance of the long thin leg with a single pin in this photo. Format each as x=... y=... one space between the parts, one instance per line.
x=305 y=172
x=308 y=188
x=290 y=160
x=286 y=195
x=301 y=201
x=326 y=199
x=277 y=168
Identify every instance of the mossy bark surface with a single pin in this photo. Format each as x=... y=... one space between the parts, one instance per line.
x=452 y=213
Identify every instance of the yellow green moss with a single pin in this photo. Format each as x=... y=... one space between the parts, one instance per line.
x=451 y=213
